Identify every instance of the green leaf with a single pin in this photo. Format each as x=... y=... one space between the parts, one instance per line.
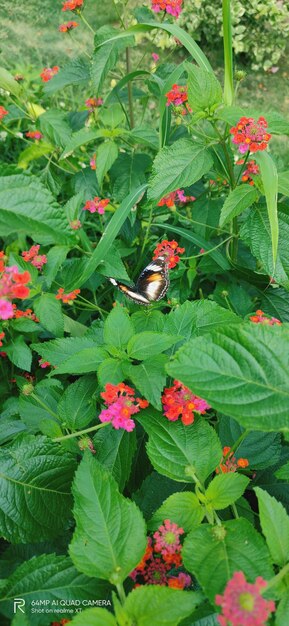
x=104 y=59
x=32 y=411
x=54 y=126
x=191 y=161
x=33 y=152
x=110 y=371
x=72 y=355
x=283 y=183
x=204 y=90
x=158 y=605
x=145 y=135
x=99 y=547
x=178 y=451
x=8 y=83
x=275 y=302
x=106 y=156
x=261 y=449
x=183 y=509
x=115 y=450
x=128 y=173
x=255 y=232
x=76 y=407
x=147 y=344
x=213 y=554
x=110 y=233
x=80 y=138
x=282 y=610
x=225 y=489
x=269 y=177
x=49 y=312
x=234 y=374
x=77 y=72
x=275 y=526
x=55 y=257
x=237 y=201
x=198 y=318
x=94 y=617
x=21 y=197
x=118 y=328
x=47 y=577
x=35 y=490
x=149 y=378
x=19 y=353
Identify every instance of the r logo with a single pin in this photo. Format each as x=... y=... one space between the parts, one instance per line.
x=18 y=604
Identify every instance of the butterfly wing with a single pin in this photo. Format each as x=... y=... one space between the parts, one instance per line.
x=130 y=292
x=153 y=282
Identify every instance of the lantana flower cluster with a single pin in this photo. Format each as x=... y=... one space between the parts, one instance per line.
x=229 y=463
x=121 y=405
x=179 y=401
x=93 y=103
x=28 y=313
x=162 y=560
x=250 y=134
x=13 y=285
x=67 y=298
x=72 y=5
x=66 y=28
x=3 y=112
x=178 y=97
x=170 y=250
x=48 y=73
x=261 y=318
x=34 y=134
x=252 y=169
x=173 y=7
x=32 y=256
x=242 y=603
x=97 y=205
x=175 y=197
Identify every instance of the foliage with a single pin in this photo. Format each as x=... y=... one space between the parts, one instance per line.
x=144 y=449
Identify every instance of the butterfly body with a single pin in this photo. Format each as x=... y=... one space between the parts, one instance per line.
x=151 y=285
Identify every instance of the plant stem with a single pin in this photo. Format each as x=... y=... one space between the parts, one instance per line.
x=86 y=23
x=44 y=406
x=195 y=256
x=129 y=88
x=228 y=54
x=121 y=592
x=278 y=577
x=81 y=432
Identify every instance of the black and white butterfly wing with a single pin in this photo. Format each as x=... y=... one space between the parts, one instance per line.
x=153 y=282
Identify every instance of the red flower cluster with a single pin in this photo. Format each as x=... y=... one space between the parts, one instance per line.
x=229 y=463
x=173 y=7
x=178 y=96
x=28 y=313
x=121 y=406
x=75 y=224
x=2 y=335
x=96 y=205
x=250 y=135
x=61 y=623
x=32 y=256
x=3 y=112
x=170 y=250
x=43 y=364
x=162 y=557
x=67 y=298
x=12 y=285
x=251 y=169
x=34 y=134
x=92 y=162
x=242 y=603
x=85 y=443
x=93 y=103
x=72 y=5
x=261 y=318
x=179 y=401
x=65 y=28
x=175 y=196
x=48 y=73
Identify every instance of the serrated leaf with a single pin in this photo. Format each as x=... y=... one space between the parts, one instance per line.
x=274 y=522
x=154 y=604
x=237 y=201
x=20 y=199
x=33 y=152
x=261 y=449
x=177 y=451
x=213 y=559
x=233 y=373
x=8 y=83
x=283 y=183
x=94 y=617
x=76 y=72
x=19 y=353
x=106 y=156
x=35 y=490
x=198 y=318
x=110 y=371
x=49 y=312
x=76 y=407
x=118 y=328
x=129 y=172
x=225 y=489
x=282 y=610
x=191 y=161
x=204 y=90
x=55 y=257
x=99 y=547
x=149 y=378
x=48 y=577
x=54 y=126
x=80 y=138
x=115 y=450
x=72 y=355
x=269 y=177
x=148 y=344
x=255 y=232
x=183 y=508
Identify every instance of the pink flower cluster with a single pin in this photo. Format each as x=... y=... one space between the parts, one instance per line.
x=96 y=205
x=32 y=256
x=179 y=401
x=34 y=134
x=12 y=285
x=175 y=196
x=48 y=73
x=242 y=603
x=250 y=134
x=93 y=103
x=173 y=7
x=261 y=318
x=121 y=406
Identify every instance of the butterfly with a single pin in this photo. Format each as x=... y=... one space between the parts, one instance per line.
x=151 y=285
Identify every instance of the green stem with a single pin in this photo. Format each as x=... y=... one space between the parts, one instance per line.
x=82 y=432
x=195 y=256
x=121 y=592
x=129 y=88
x=243 y=167
x=228 y=54
x=278 y=577
x=44 y=406
x=237 y=443
x=86 y=23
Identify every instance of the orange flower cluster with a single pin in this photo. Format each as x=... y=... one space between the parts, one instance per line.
x=179 y=401
x=261 y=318
x=48 y=73
x=251 y=169
x=65 y=28
x=34 y=134
x=72 y=5
x=229 y=463
x=28 y=313
x=250 y=135
x=170 y=250
x=3 y=112
x=67 y=298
